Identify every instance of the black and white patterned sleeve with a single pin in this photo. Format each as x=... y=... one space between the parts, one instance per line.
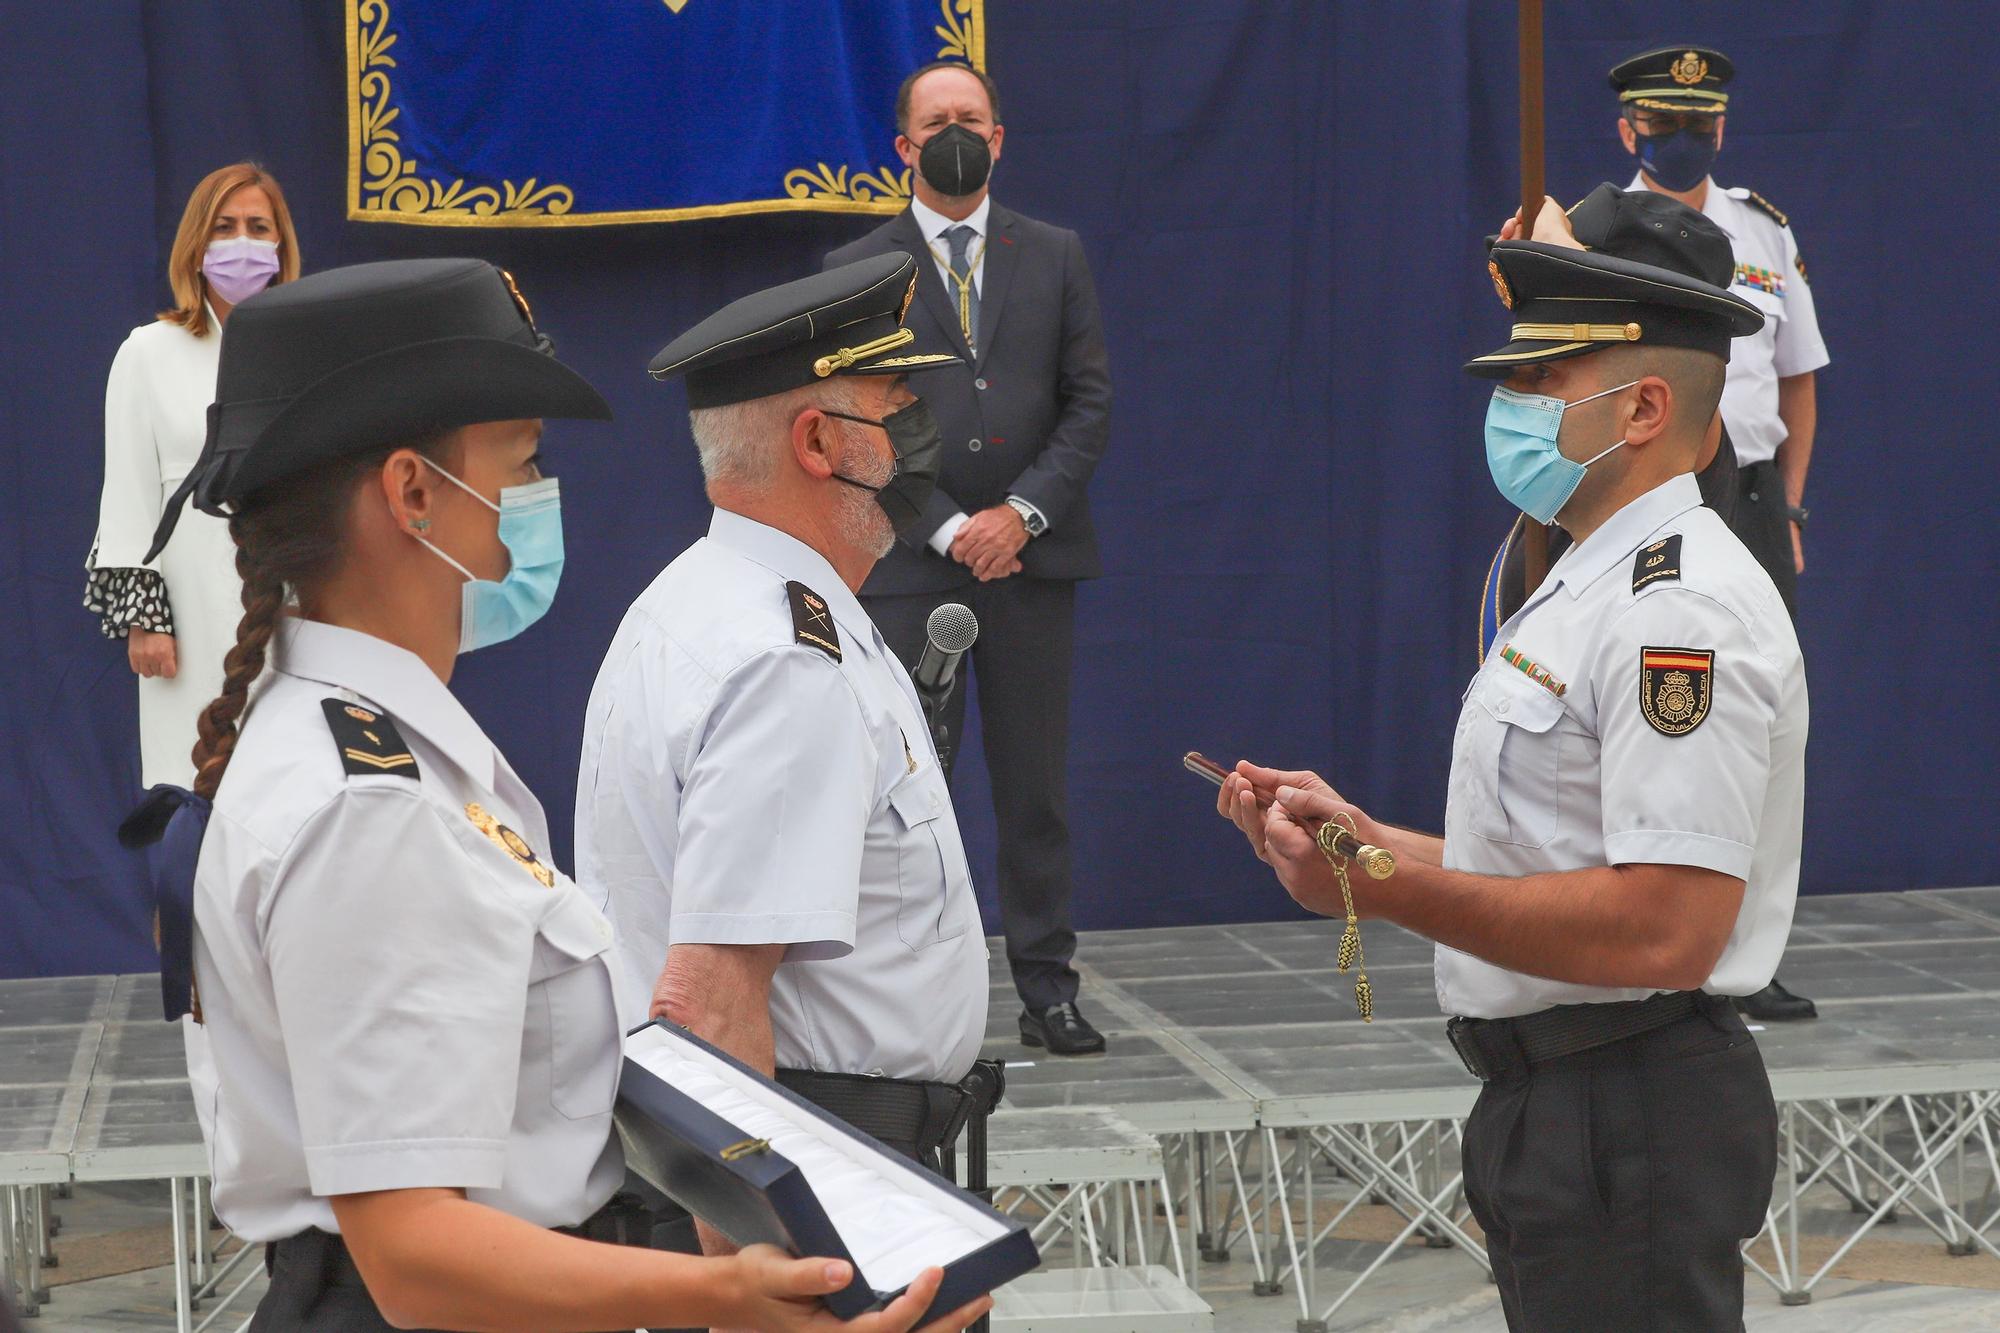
x=126 y=599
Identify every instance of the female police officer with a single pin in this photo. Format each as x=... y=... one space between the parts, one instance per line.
x=412 y=1015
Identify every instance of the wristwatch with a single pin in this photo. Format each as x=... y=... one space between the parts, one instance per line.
x=1797 y=513
x=1031 y=517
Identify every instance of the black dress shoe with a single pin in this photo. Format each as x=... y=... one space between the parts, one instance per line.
x=1775 y=1004
x=1060 y=1028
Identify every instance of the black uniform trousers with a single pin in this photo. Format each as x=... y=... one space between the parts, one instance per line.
x=1615 y=1185
x=1761 y=523
x=1027 y=633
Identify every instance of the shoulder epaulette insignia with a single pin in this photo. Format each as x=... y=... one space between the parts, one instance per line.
x=812 y=622
x=368 y=741
x=1657 y=561
x=1768 y=209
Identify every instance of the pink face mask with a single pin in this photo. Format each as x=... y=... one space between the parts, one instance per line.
x=240 y=267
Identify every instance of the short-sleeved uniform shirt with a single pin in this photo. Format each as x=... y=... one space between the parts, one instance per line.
x=1646 y=705
x=1771 y=275
x=401 y=992
x=751 y=778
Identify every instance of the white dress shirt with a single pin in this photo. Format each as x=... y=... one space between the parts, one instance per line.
x=1546 y=781
x=396 y=1000
x=741 y=785
x=934 y=225
x=1771 y=276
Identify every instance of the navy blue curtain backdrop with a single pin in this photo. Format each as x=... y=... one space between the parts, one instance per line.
x=1283 y=204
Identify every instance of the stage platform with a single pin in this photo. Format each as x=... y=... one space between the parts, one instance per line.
x=1277 y=1111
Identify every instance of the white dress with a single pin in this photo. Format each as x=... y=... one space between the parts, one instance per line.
x=155 y=418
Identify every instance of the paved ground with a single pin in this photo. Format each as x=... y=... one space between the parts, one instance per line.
x=1420 y=1291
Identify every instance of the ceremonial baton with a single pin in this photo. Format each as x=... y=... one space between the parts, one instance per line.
x=1534 y=535
x=1379 y=862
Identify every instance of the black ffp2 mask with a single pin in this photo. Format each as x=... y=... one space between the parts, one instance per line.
x=955 y=161
x=913 y=435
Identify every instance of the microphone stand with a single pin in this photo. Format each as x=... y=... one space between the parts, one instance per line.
x=933 y=702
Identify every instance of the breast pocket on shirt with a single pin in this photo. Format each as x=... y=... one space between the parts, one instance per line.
x=1513 y=746
x=571 y=984
x=1770 y=304
x=926 y=852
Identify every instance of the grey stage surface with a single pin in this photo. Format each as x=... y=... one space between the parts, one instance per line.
x=1213 y=1030
x=1211 y=1026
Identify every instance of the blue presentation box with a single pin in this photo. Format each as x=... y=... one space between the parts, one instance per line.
x=832 y=1192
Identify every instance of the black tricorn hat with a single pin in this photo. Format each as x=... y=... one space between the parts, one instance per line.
x=1675 y=78
x=1568 y=302
x=845 y=321
x=358 y=357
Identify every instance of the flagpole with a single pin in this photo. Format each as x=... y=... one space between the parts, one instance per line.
x=1534 y=535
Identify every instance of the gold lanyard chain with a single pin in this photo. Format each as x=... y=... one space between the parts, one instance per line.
x=1349 y=954
x=964 y=284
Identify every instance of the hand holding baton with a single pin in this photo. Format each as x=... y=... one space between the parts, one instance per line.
x=1379 y=862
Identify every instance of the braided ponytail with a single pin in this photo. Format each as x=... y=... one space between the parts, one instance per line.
x=288 y=537
x=263 y=603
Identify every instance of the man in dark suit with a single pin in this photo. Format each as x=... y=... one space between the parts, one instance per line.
x=1008 y=531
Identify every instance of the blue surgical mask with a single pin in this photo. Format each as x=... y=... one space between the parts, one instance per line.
x=1521 y=451
x=531 y=530
x=1679 y=161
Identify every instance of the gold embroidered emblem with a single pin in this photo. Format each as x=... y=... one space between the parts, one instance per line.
x=360 y=714
x=1500 y=283
x=1676 y=701
x=510 y=842
x=903 y=310
x=1690 y=69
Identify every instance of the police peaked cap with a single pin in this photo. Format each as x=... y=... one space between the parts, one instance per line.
x=355 y=358
x=1568 y=302
x=1675 y=78
x=846 y=321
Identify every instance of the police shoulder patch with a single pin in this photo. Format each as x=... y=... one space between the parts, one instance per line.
x=812 y=622
x=1657 y=562
x=1768 y=209
x=1676 y=686
x=368 y=741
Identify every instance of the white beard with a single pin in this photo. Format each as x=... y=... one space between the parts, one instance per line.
x=863 y=524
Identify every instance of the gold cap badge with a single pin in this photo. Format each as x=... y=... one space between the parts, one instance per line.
x=1500 y=283
x=1689 y=69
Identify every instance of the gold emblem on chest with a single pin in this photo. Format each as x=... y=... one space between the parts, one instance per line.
x=510 y=842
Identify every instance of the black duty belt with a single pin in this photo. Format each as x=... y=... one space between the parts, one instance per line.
x=1493 y=1047
x=913 y=1114
x=305 y=1267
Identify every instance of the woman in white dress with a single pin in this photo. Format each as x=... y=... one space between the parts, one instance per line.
x=178 y=613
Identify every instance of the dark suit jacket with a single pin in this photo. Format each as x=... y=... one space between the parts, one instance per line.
x=1030 y=418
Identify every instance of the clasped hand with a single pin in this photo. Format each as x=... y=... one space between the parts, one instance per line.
x=988 y=542
x=1284 y=836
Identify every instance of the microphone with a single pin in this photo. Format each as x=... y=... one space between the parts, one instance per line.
x=950 y=633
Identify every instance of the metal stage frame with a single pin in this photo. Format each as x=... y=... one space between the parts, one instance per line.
x=1275 y=1112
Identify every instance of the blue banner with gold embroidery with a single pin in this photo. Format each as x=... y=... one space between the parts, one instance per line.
x=542 y=113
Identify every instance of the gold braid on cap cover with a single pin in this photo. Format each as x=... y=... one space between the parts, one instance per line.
x=849 y=356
